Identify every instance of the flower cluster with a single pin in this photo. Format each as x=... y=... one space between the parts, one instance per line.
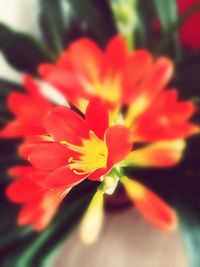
x=121 y=101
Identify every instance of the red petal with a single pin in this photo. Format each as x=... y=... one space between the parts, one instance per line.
x=157 y=77
x=49 y=156
x=63 y=177
x=31 y=86
x=19 y=171
x=159 y=154
x=22 y=190
x=153 y=208
x=85 y=57
x=64 y=124
x=30 y=142
x=118 y=140
x=115 y=54
x=19 y=128
x=135 y=69
x=20 y=104
x=97 y=117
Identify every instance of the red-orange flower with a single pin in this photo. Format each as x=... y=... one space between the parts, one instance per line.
x=127 y=105
x=39 y=203
x=29 y=110
x=115 y=75
x=75 y=149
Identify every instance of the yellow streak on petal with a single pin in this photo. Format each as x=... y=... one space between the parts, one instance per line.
x=158 y=154
x=135 y=109
x=92 y=221
x=133 y=188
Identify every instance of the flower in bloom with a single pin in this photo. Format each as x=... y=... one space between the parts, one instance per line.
x=124 y=103
x=75 y=149
x=114 y=75
x=39 y=204
x=79 y=148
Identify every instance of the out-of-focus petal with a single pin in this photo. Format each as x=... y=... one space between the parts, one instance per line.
x=159 y=154
x=30 y=142
x=97 y=117
x=134 y=71
x=92 y=221
x=153 y=208
x=153 y=83
x=49 y=156
x=115 y=55
x=118 y=140
x=64 y=124
x=64 y=177
x=21 y=190
x=165 y=119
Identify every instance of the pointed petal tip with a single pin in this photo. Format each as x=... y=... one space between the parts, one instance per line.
x=151 y=206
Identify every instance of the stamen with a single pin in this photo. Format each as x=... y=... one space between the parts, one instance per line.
x=92 y=154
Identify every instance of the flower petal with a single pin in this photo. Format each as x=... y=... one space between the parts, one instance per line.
x=165 y=119
x=135 y=69
x=92 y=221
x=97 y=117
x=115 y=54
x=64 y=124
x=30 y=142
x=154 y=81
x=118 y=140
x=64 y=177
x=49 y=156
x=154 y=209
x=21 y=190
x=159 y=154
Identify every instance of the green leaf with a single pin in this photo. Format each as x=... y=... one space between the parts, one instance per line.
x=52 y=23
x=23 y=51
x=167 y=13
x=145 y=17
x=125 y=15
x=164 y=43
x=190 y=230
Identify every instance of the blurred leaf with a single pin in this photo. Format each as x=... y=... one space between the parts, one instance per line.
x=167 y=13
x=52 y=23
x=95 y=16
x=145 y=19
x=22 y=51
x=125 y=15
x=163 y=44
x=190 y=230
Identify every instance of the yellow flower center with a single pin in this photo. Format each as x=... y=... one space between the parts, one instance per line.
x=108 y=89
x=93 y=155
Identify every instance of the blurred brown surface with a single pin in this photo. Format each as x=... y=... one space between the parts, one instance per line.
x=126 y=240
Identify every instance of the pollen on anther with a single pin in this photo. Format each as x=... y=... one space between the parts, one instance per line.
x=70 y=159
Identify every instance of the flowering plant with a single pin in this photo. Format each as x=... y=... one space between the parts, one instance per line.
x=97 y=113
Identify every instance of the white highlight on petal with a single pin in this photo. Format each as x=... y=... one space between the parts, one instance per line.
x=92 y=221
x=51 y=93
